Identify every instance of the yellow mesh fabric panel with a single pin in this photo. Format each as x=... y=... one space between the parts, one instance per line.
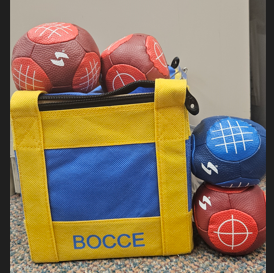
x=99 y=126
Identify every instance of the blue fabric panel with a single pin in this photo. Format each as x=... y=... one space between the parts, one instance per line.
x=143 y=90
x=103 y=182
x=171 y=72
x=188 y=165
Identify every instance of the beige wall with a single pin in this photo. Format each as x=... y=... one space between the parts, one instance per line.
x=210 y=37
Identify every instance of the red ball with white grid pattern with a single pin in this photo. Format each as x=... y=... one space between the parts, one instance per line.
x=56 y=57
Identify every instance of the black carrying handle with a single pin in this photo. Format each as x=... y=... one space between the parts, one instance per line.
x=190 y=102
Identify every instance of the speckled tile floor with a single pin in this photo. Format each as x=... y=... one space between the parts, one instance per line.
x=202 y=258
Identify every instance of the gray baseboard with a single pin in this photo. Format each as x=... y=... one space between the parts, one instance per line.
x=12 y=190
x=14 y=178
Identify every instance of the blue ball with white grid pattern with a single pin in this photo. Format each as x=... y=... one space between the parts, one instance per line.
x=229 y=151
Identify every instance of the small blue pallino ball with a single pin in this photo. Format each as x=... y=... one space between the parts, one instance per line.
x=229 y=151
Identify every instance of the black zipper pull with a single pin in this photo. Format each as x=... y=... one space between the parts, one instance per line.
x=191 y=104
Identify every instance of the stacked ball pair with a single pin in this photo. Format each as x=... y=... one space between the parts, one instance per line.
x=229 y=155
x=56 y=57
x=63 y=57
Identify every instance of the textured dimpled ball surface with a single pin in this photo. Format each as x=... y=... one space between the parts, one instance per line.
x=56 y=57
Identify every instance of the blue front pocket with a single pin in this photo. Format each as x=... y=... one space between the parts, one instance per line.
x=102 y=182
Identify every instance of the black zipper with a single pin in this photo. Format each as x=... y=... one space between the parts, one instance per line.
x=118 y=97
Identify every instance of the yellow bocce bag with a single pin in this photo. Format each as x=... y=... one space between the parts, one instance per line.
x=105 y=176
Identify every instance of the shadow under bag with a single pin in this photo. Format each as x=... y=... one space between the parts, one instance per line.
x=105 y=176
